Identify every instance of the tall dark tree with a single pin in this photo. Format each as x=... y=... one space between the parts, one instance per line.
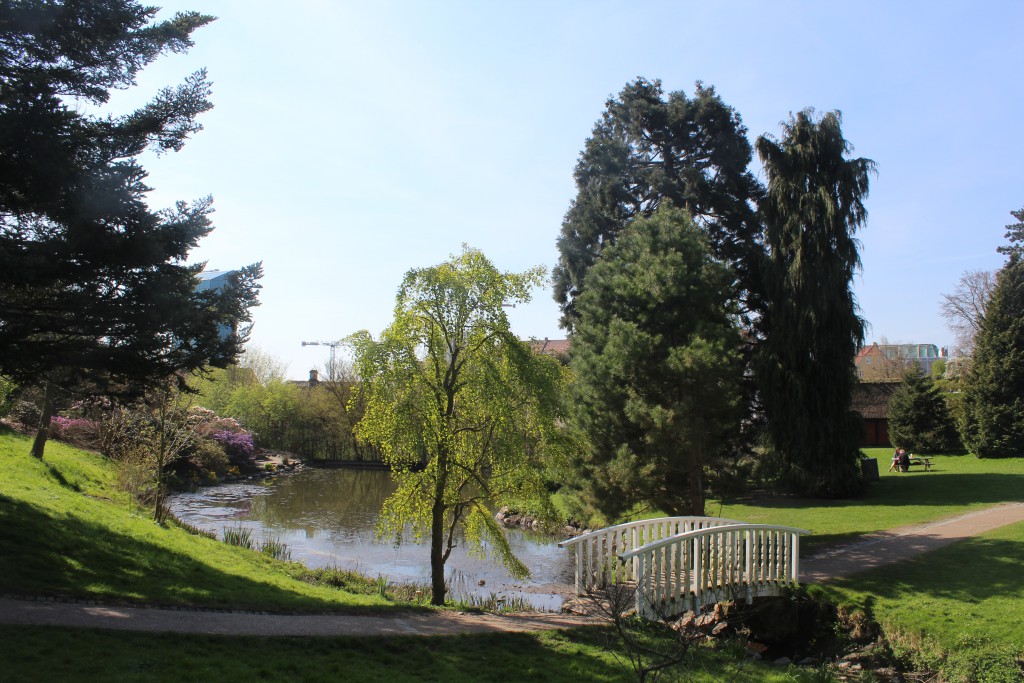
x=645 y=150
x=657 y=364
x=94 y=290
x=992 y=421
x=919 y=418
x=1015 y=237
x=809 y=322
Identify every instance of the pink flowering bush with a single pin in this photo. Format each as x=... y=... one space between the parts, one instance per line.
x=77 y=431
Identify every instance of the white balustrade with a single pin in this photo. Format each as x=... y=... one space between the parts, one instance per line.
x=597 y=552
x=720 y=562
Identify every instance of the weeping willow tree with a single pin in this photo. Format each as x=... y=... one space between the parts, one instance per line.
x=811 y=329
x=459 y=407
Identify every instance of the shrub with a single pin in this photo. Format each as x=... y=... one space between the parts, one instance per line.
x=77 y=431
x=25 y=413
x=7 y=389
x=238 y=446
x=209 y=455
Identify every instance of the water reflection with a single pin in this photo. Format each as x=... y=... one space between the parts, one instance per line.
x=327 y=518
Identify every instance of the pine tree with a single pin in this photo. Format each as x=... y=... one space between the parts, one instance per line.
x=992 y=422
x=646 y=150
x=919 y=419
x=657 y=368
x=810 y=325
x=94 y=290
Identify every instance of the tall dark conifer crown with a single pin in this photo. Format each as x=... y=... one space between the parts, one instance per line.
x=93 y=283
x=647 y=149
x=810 y=326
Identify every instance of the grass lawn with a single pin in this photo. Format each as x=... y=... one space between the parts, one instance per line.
x=582 y=656
x=65 y=529
x=956 y=484
x=957 y=609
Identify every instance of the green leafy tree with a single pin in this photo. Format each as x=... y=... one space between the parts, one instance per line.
x=459 y=407
x=919 y=418
x=94 y=293
x=992 y=420
x=657 y=368
x=648 y=149
x=810 y=327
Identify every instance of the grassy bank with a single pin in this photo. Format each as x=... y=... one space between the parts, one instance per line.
x=65 y=529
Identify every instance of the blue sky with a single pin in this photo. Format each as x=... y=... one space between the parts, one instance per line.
x=351 y=141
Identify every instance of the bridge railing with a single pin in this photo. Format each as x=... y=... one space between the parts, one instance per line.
x=597 y=552
x=697 y=568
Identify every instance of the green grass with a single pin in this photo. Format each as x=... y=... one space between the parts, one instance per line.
x=66 y=530
x=956 y=484
x=957 y=609
x=584 y=655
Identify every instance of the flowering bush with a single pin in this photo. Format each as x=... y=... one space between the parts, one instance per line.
x=77 y=431
x=238 y=446
x=208 y=423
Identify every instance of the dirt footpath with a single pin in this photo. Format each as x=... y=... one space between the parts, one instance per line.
x=77 y=615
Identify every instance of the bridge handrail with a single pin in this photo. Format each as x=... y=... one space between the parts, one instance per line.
x=739 y=526
x=717 y=521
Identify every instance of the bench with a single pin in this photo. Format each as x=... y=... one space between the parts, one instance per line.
x=926 y=462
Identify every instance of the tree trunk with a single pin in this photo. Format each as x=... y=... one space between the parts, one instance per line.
x=46 y=414
x=696 y=483
x=437 y=587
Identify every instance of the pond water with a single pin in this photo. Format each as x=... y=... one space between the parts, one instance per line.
x=327 y=519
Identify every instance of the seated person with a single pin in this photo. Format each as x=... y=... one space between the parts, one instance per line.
x=895 y=460
x=904 y=461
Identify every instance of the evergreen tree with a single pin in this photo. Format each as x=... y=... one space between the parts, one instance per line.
x=93 y=287
x=657 y=368
x=809 y=323
x=646 y=150
x=992 y=422
x=919 y=419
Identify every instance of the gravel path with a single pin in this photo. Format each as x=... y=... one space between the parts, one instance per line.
x=870 y=551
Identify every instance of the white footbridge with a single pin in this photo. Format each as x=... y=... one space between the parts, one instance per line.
x=688 y=563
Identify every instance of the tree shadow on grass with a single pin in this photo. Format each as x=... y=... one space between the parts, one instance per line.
x=44 y=554
x=941 y=573
x=914 y=488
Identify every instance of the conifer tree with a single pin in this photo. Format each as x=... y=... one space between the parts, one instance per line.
x=992 y=421
x=919 y=420
x=657 y=368
x=809 y=323
x=648 y=149
x=94 y=290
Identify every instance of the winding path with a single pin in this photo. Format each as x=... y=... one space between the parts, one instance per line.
x=868 y=552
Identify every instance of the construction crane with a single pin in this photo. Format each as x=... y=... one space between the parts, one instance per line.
x=334 y=347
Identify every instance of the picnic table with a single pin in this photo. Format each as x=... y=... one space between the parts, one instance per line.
x=926 y=462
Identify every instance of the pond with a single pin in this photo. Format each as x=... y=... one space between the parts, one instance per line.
x=327 y=519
